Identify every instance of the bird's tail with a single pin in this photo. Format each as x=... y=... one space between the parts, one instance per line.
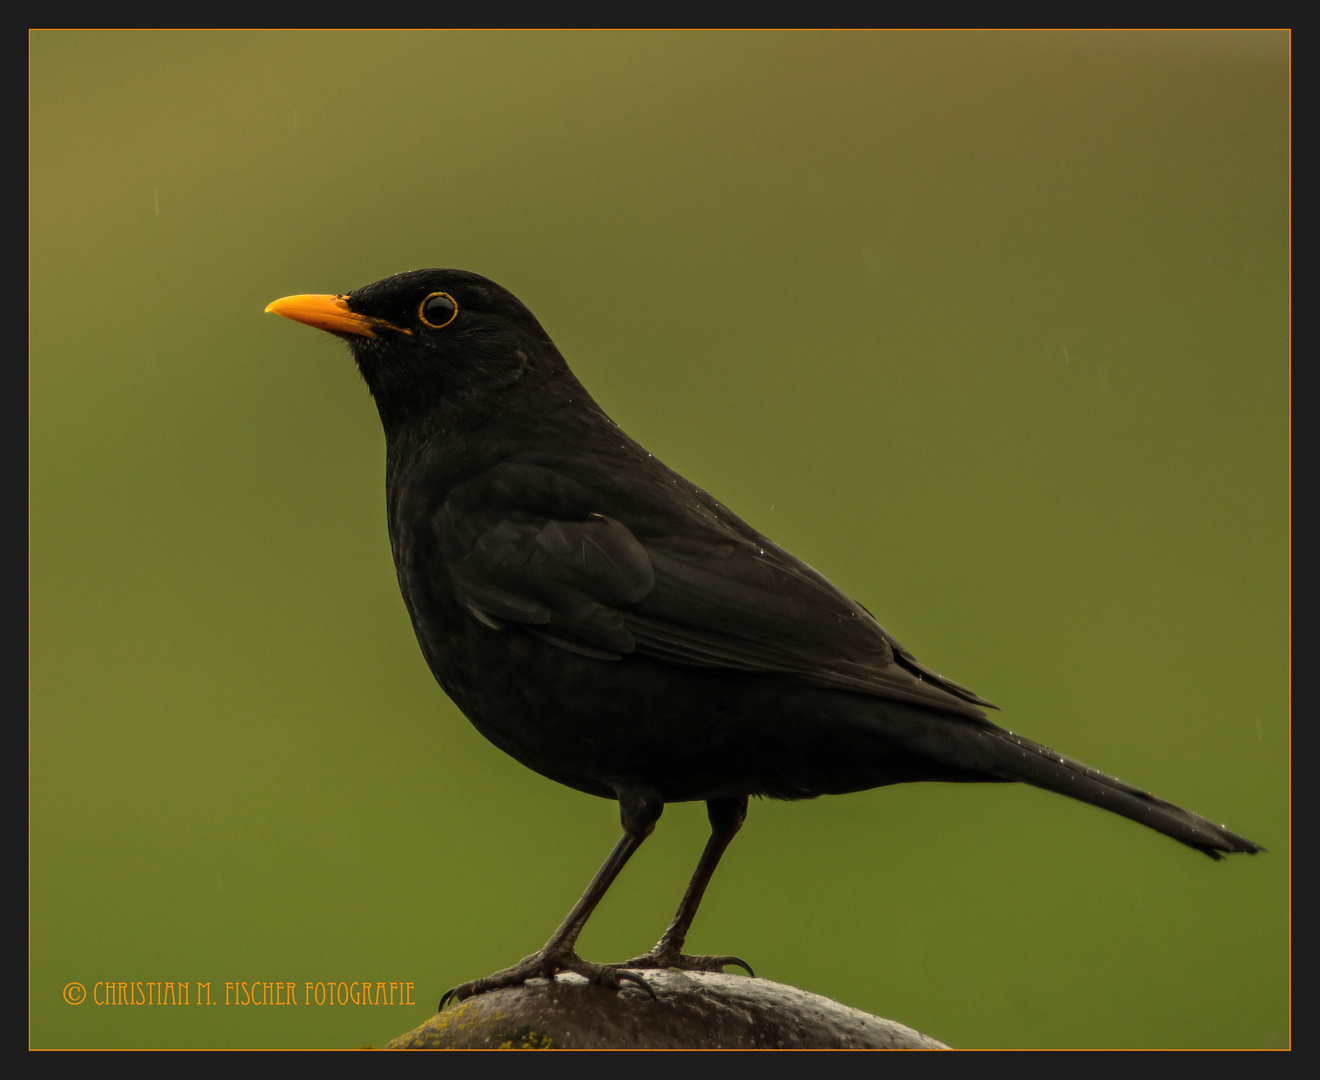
x=1016 y=758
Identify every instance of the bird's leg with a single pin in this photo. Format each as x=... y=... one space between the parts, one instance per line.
x=726 y=818
x=639 y=810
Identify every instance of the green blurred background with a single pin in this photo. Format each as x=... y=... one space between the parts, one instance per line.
x=990 y=328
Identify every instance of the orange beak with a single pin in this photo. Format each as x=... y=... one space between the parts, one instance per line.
x=329 y=313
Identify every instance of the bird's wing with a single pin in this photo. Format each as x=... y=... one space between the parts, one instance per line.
x=684 y=580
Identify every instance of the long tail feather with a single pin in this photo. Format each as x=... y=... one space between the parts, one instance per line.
x=1016 y=758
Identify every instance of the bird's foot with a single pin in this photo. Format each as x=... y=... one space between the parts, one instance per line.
x=545 y=964
x=662 y=958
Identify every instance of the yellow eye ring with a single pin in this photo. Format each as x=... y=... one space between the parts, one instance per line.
x=442 y=306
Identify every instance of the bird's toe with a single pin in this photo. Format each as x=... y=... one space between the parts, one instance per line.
x=663 y=959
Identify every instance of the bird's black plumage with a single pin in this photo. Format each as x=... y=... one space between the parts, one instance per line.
x=617 y=629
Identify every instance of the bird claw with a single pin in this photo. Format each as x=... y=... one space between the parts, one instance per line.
x=736 y=961
x=538 y=965
x=545 y=965
x=659 y=959
x=613 y=976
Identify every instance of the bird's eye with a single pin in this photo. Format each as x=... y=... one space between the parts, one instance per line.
x=438 y=310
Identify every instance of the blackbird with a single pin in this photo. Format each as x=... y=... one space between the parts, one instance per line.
x=615 y=628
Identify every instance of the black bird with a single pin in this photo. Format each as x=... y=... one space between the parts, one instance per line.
x=613 y=627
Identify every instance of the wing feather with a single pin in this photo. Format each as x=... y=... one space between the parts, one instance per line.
x=523 y=546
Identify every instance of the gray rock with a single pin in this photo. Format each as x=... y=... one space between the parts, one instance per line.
x=691 y=1010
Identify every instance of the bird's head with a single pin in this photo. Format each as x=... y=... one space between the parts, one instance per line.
x=434 y=339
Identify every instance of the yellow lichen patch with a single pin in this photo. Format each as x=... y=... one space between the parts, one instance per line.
x=528 y=1040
